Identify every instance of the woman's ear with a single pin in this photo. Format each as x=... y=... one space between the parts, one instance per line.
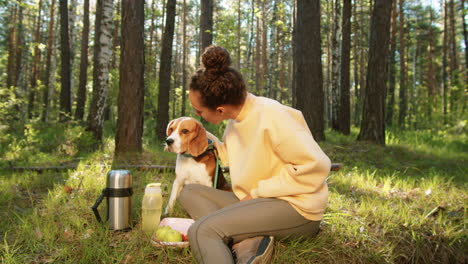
x=199 y=143
x=221 y=110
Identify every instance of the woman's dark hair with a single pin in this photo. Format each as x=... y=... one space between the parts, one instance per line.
x=218 y=83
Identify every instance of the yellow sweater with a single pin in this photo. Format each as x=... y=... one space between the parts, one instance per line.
x=271 y=152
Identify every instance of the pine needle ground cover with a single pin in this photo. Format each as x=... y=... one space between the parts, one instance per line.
x=403 y=203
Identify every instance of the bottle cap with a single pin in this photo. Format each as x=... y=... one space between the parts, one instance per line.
x=153 y=188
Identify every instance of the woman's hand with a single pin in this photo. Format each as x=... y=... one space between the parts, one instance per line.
x=246 y=198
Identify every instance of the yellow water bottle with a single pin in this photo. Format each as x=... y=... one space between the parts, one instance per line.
x=151 y=208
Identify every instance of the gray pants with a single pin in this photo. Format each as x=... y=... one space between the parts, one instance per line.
x=221 y=220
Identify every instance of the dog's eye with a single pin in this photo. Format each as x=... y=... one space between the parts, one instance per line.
x=184 y=131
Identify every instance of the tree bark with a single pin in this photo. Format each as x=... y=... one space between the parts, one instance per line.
x=184 y=58
x=165 y=71
x=403 y=82
x=445 y=87
x=373 y=125
x=65 y=76
x=101 y=61
x=344 y=112
x=46 y=78
x=81 y=96
x=129 y=132
x=392 y=69
x=309 y=94
x=206 y=24
x=35 y=74
x=11 y=73
x=336 y=57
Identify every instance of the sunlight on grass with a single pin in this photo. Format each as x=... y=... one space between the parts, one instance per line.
x=404 y=203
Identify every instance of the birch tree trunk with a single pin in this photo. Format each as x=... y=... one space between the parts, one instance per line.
x=336 y=58
x=101 y=62
x=129 y=132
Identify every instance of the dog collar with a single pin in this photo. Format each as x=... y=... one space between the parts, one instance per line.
x=210 y=147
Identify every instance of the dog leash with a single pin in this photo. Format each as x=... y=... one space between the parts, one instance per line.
x=215 y=182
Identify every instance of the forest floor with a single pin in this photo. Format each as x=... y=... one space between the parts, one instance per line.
x=403 y=203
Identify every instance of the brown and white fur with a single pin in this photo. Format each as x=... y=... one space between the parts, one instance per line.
x=186 y=135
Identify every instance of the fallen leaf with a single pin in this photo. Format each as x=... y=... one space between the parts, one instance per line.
x=68 y=234
x=67 y=189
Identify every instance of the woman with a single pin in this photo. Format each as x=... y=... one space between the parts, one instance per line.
x=278 y=171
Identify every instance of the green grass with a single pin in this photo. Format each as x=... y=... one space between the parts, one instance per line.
x=403 y=203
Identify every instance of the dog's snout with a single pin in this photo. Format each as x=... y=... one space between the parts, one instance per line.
x=169 y=141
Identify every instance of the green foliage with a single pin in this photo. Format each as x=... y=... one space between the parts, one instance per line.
x=40 y=142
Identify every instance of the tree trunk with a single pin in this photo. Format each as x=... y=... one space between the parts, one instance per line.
x=431 y=75
x=65 y=76
x=35 y=64
x=336 y=57
x=356 y=56
x=344 y=112
x=264 y=60
x=101 y=62
x=308 y=71
x=165 y=71
x=465 y=37
x=453 y=66
x=116 y=38
x=373 y=125
x=206 y=24
x=403 y=82
x=258 y=55
x=81 y=96
x=444 y=64
x=131 y=86
x=150 y=60
x=46 y=77
x=11 y=73
x=392 y=69
x=184 y=58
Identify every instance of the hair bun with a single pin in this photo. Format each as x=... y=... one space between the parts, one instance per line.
x=216 y=58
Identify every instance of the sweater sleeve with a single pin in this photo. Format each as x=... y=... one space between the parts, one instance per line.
x=306 y=166
x=220 y=147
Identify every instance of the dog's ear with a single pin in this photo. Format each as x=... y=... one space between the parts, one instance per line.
x=199 y=143
x=169 y=126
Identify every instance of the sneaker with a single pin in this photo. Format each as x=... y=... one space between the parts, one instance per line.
x=256 y=250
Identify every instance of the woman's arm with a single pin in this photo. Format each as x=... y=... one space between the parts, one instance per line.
x=306 y=165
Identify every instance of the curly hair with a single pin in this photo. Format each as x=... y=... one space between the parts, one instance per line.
x=217 y=82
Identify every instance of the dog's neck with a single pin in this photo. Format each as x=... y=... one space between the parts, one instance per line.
x=208 y=148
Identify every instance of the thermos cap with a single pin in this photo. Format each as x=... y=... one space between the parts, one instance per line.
x=119 y=179
x=153 y=188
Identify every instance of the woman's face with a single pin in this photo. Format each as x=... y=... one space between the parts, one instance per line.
x=211 y=116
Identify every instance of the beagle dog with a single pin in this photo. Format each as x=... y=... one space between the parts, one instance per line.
x=196 y=158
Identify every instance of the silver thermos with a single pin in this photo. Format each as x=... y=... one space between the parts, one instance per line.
x=119 y=200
